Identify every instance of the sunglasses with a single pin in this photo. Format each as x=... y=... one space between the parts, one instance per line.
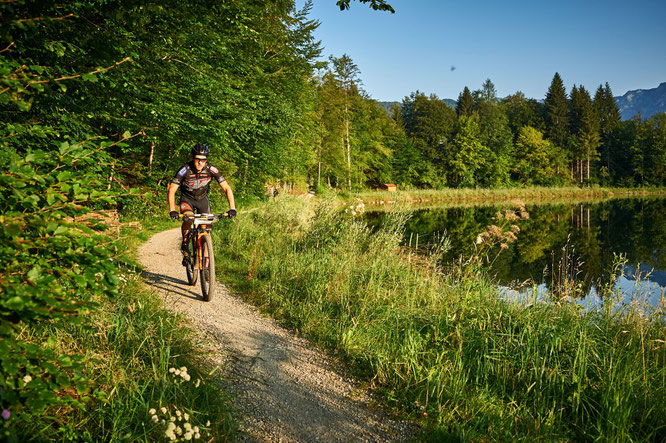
x=196 y=159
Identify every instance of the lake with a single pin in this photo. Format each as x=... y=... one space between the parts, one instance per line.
x=580 y=242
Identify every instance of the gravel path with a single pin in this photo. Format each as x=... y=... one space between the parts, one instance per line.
x=285 y=389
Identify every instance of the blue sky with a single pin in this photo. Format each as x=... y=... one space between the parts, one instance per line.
x=518 y=44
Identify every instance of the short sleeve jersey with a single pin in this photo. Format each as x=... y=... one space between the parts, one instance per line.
x=195 y=185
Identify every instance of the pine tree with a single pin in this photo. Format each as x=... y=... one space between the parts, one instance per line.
x=465 y=103
x=584 y=127
x=556 y=112
x=608 y=114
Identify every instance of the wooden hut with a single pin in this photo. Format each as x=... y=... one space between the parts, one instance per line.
x=390 y=187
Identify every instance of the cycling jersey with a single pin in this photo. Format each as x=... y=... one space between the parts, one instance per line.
x=195 y=185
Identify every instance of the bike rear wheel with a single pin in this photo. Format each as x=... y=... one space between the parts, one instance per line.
x=207 y=268
x=191 y=265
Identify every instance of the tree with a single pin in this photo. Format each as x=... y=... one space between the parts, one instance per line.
x=536 y=161
x=377 y=5
x=522 y=111
x=608 y=114
x=556 y=112
x=465 y=103
x=584 y=128
x=465 y=154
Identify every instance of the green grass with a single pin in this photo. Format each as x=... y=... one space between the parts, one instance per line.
x=130 y=344
x=484 y=196
x=440 y=344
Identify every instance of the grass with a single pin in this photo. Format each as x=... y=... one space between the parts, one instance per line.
x=485 y=196
x=135 y=351
x=439 y=344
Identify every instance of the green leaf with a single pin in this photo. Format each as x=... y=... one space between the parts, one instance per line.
x=16 y=303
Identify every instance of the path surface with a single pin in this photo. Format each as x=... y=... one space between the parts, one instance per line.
x=286 y=390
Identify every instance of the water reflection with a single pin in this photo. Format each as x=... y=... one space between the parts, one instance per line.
x=590 y=235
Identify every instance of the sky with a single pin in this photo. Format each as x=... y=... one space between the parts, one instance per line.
x=441 y=46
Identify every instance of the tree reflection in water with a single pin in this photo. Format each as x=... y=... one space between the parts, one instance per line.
x=569 y=248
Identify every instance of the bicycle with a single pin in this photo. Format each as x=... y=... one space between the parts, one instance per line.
x=201 y=260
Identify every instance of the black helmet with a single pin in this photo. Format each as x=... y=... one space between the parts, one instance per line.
x=200 y=149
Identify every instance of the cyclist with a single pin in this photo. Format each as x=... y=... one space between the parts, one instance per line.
x=194 y=181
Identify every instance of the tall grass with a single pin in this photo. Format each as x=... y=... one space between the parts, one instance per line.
x=135 y=351
x=528 y=195
x=440 y=344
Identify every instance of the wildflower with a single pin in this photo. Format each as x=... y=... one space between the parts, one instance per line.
x=6 y=414
x=170 y=435
x=186 y=416
x=422 y=407
x=197 y=436
x=155 y=419
x=171 y=427
x=186 y=376
x=515 y=229
x=163 y=409
x=172 y=419
x=172 y=370
x=176 y=372
x=178 y=413
x=196 y=385
x=479 y=240
x=196 y=430
x=504 y=246
x=425 y=415
x=187 y=436
x=207 y=423
x=179 y=430
x=187 y=426
x=152 y=411
x=183 y=369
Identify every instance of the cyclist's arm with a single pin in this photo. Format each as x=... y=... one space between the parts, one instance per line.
x=173 y=187
x=230 y=194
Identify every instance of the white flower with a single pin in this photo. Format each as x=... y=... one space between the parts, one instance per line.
x=172 y=419
x=207 y=422
x=196 y=429
x=177 y=412
x=172 y=370
x=197 y=436
x=186 y=376
x=183 y=369
x=179 y=431
x=27 y=379
x=176 y=372
x=479 y=240
x=187 y=436
x=187 y=416
x=187 y=426
x=155 y=419
x=171 y=426
x=196 y=385
x=163 y=409
x=152 y=411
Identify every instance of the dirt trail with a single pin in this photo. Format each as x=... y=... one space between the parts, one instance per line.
x=286 y=390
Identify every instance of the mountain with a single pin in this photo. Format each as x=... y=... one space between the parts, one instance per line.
x=646 y=101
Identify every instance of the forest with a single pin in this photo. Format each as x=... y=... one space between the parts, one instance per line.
x=250 y=81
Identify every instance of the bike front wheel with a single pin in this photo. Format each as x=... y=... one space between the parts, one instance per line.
x=207 y=268
x=191 y=263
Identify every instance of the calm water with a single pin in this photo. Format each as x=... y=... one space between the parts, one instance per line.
x=589 y=235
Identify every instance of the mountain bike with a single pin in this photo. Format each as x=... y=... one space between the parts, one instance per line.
x=201 y=261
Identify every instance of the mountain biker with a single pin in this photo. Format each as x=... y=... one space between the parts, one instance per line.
x=194 y=181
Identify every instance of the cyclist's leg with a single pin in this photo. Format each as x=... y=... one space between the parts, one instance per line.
x=186 y=209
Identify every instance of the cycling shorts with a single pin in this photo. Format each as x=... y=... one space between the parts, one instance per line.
x=201 y=206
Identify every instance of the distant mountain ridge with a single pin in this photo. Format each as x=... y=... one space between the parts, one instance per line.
x=646 y=101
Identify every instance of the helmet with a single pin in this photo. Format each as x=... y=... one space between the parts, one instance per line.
x=200 y=149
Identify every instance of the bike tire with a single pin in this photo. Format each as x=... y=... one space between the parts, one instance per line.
x=191 y=266
x=207 y=269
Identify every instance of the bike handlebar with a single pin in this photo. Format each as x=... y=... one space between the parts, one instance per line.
x=207 y=217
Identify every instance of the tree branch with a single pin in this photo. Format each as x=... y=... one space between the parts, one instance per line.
x=69 y=77
x=10 y=45
x=36 y=19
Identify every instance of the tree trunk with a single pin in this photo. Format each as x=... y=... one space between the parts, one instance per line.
x=152 y=155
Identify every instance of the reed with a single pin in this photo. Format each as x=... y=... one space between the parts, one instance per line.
x=439 y=343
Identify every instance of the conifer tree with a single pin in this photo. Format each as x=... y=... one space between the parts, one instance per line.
x=556 y=112
x=465 y=103
x=584 y=127
x=608 y=114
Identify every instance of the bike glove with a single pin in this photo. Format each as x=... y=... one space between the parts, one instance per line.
x=174 y=215
x=231 y=213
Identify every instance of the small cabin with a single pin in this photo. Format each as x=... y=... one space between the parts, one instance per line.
x=390 y=187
